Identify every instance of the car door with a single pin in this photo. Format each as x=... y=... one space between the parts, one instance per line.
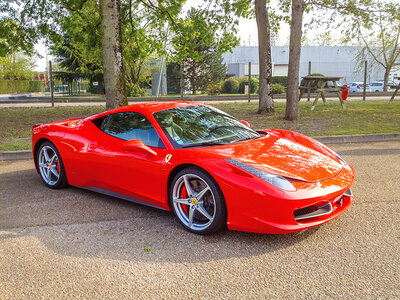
x=134 y=174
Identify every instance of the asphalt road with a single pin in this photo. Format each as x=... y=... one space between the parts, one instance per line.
x=73 y=243
x=23 y=104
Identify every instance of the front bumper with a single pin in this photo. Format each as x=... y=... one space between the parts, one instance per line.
x=260 y=225
x=254 y=206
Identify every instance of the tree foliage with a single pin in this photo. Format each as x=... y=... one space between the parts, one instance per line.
x=198 y=44
x=16 y=66
x=328 y=12
x=72 y=29
x=379 y=37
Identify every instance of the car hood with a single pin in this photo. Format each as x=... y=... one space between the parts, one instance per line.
x=282 y=156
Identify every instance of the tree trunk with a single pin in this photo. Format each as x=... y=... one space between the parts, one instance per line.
x=113 y=64
x=292 y=103
x=386 y=79
x=266 y=103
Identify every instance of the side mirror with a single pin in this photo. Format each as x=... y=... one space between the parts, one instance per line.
x=137 y=146
x=245 y=123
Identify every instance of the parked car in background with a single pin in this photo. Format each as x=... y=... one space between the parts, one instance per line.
x=376 y=86
x=358 y=87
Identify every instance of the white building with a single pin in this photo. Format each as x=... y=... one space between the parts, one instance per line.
x=329 y=60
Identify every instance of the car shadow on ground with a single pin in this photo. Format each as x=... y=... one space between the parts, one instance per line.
x=80 y=223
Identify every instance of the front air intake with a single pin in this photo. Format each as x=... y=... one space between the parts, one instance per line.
x=313 y=211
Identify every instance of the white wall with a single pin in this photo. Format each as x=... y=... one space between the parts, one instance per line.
x=328 y=60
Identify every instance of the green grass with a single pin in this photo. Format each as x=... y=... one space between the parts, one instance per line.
x=359 y=118
x=16 y=123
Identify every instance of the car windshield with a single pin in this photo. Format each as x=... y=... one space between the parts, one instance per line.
x=198 y=125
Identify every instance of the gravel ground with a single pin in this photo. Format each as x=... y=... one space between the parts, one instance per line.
x=73 y=243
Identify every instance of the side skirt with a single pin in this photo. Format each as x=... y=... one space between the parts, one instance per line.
x=117 y=195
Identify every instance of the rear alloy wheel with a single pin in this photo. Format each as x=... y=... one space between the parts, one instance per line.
x=50 y=166
x=197 y=201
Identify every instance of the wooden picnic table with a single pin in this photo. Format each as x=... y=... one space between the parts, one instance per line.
x=396 y=87
x=320 y=85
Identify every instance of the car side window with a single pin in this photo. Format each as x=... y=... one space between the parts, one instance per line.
x=131 y=126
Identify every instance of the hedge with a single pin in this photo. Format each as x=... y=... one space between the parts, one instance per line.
x=35 y=86
x=280 y=79
x=20 y=86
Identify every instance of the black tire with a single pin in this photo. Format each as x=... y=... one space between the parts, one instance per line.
x=212 y=201
x=56 y=183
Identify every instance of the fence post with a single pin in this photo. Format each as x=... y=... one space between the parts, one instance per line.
x=365 y=81
x=309 y=90
x=249 y=89
x=182 y=81
x=51 y=84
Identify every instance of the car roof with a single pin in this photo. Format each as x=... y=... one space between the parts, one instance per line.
x=148 y=107
x=152 y=107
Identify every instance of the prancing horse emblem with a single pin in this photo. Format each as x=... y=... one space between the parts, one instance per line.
x=168 y=157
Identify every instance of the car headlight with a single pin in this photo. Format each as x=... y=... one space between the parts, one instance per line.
x=276 y=180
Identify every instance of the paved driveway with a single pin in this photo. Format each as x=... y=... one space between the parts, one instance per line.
x=77 y=244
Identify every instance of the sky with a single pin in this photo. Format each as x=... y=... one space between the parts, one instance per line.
x=247 y=33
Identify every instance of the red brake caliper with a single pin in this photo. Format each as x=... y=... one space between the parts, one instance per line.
x=184 y=195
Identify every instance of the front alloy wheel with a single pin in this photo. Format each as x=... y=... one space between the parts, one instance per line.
x=197 y=201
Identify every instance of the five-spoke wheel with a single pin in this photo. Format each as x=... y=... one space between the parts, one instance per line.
x=197 y=201
x=50 y=166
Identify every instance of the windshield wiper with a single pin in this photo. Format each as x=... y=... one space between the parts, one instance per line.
x=245 y=139
x=209 y=143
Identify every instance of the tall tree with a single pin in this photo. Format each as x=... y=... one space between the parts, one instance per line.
x=200 y=40
x=54 y=18
x=266 y=103
x=380 y=39
x=16 y=66
x=347 y=9
x=249 y=9
x=294 y=60
x=113 y=64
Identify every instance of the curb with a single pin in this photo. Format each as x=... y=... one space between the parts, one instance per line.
x=358 y=138
x=340 y=139
x=16 y=155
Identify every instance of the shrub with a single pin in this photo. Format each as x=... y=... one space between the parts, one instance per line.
x=278 y=88
x=135 y=90
x=280 y=79
x=215 y=88
x=231 y=86
x=254 y=85
x=96 y=89
x=240 y=80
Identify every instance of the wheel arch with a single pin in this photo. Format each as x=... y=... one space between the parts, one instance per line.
x=179 y=168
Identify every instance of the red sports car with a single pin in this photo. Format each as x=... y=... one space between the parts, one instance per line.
x=207 y=167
